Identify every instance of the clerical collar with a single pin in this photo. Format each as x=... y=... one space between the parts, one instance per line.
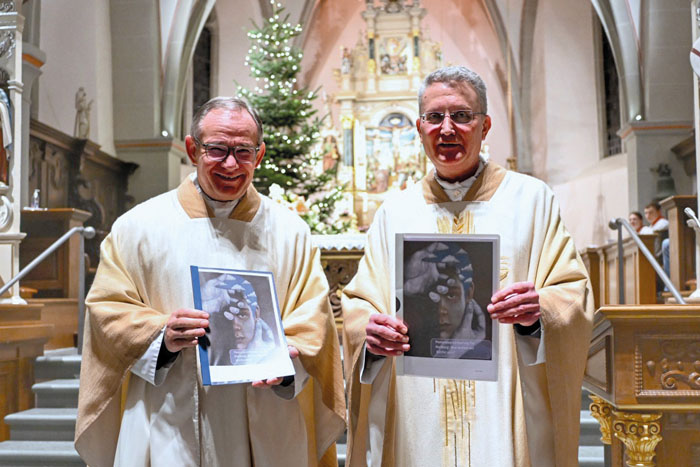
x=456 y=190
x=220 y=208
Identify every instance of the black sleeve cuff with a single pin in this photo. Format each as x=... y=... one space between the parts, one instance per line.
x=165 y=356
x=534 y=330
x=287 y=380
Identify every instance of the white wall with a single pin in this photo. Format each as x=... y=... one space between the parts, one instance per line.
x=75 y=35
x=590 y=200
x=564 y=104
x=667 y=39
x=234 y=23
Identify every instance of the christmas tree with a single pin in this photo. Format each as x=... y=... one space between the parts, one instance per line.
x=290 y=169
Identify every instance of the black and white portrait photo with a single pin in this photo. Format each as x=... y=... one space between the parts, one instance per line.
x=244 y=323
x=444 y=284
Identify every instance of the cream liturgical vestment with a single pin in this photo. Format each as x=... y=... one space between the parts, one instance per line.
x=530 y=416
x=144 y=274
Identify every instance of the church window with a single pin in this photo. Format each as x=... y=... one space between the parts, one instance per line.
x=612 y=143
x=202 y=69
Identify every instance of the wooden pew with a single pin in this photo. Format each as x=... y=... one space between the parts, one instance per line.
x=640 y=280
x=682 y=239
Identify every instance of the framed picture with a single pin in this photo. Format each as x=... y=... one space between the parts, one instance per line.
x=245 y=341
x=443 y=284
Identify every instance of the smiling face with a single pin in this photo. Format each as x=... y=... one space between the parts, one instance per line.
x=453 y=147
x=636 y=222
x=228 y=179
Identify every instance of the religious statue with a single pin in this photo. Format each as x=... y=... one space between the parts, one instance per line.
x=82 y=115
x=346 y=64
x=330 y=153
x=5 y=128
x=328 y=116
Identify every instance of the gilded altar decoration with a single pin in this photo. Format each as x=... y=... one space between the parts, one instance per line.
x=602 y=411
x=379 y=79
x=640 y=433
x=394 y=55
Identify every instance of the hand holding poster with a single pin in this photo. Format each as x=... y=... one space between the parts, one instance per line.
x=245 y=341
x=443 y=285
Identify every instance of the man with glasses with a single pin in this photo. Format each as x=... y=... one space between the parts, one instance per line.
x=543 y=309
x=142 y=333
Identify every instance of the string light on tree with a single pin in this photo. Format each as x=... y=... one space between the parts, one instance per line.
x=290 y=122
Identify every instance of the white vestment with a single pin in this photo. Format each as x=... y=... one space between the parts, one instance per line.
x=413 y=421
x=145 y=266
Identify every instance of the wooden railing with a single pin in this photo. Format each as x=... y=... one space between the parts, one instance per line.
x=640 y=279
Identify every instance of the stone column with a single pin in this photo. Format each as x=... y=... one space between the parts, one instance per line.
x=11 y=24
x=695 y=14
x=647 y=144
x=33 y=59
x=417 y=13
x=370 y=15
x=159 y=161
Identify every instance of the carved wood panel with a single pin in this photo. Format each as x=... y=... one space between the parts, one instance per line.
x=8 y=395
x=72 y=173
x=339 y=270
x=667 y=365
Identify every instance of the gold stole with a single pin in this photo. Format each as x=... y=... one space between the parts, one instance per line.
x=457 y=397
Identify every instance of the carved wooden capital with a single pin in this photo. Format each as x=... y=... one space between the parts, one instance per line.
x=602 y=411
x=339 y=271
x=640 y=433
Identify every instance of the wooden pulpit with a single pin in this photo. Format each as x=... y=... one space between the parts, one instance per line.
x=644 y=372
x=57 y=275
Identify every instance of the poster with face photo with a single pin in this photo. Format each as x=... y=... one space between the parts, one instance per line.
x=443 y=286
x=245 y=340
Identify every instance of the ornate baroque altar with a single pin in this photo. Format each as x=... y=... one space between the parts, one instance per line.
x=378 y=148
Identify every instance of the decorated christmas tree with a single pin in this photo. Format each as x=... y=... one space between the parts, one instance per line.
x=290 y=171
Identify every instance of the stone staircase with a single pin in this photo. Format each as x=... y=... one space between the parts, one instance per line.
x=43 y=436
x=590 y=447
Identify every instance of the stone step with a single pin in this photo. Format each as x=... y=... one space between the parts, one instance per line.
x=342 y=451
x=54 y=424
x=591 y=456
x=57 y=393
x=58 y=364
x=590 y=430
x=39 y=453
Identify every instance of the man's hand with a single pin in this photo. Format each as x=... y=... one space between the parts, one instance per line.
x=518 y=303
x=386 y=336
x=293 y=353
x=184 y=327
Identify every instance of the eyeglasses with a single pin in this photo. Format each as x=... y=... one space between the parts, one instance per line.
x=460 y=116
x=219 y=152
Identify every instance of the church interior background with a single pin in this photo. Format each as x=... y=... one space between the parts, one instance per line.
x=589 y=96
x=597 y=98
